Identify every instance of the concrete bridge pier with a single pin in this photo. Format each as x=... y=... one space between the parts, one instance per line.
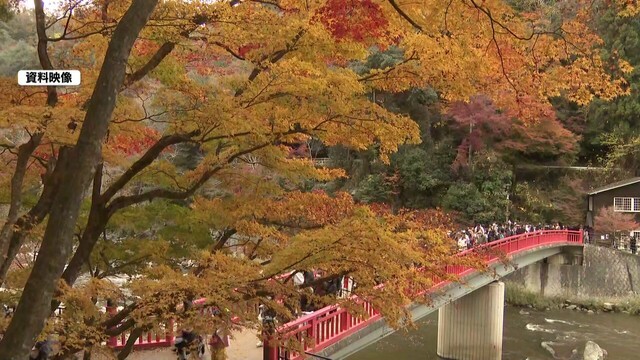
x=470 y=328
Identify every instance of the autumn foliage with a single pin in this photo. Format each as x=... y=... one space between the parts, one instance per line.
x=356 y=20
x=133 y=143
x=489 y=127
x=609 y=221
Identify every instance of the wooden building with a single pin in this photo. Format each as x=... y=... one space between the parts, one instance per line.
x=624 y=196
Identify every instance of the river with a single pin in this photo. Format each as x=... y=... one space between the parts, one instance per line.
x=538 y=335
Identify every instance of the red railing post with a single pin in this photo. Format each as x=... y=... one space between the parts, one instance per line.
x=313 y=331
x=269 y=350
x=345 y=321
x=170 y=331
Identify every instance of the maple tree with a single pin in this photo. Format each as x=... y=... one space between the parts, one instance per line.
x=229 y=86
x=486 y=126
x=608 y=221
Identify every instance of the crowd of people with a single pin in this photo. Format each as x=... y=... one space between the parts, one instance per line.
x=482 y=234
x=310 y=287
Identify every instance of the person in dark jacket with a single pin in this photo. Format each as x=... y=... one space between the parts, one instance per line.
x=188 y=342
x=309 y=277
x=42 y=350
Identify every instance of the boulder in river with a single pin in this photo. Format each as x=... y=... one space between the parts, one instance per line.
x=571 y=307
x=607 y=306
x=592 y=351
x=523 y=312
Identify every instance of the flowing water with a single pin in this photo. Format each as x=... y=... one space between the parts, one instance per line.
x=546 y=335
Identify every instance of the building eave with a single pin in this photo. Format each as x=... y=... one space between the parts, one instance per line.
x=616 y=185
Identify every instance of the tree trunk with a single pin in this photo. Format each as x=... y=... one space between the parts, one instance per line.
x=10 y=239
x=96 y=223
x=133 y=337
x=34 y=307
x=24 y=153
x=99 y=215
x=35 y=216
x=87 y=354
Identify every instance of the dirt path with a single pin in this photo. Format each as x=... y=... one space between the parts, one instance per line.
x=242 y=347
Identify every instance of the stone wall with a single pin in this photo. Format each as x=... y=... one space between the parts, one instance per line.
x=604 y=273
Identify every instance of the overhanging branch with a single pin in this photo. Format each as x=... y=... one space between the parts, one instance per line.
x=151 y=64
x=404 y=15
x=128 y=200
x=152 y=153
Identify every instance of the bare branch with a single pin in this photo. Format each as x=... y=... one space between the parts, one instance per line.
x=229 y=50
x=501 y=25
x=133 y=337
x=273 y=58
x=121 y=315
x=85 y=35
x=389 y=69
x=404 y=15
x=24 y=153
x=222 y=240
x=120 y=328
x=153 y=62
x=271 y=3
x=146 y=159
x=114 y=270
x=66 y=26
x=495 y=41
x=36 y=214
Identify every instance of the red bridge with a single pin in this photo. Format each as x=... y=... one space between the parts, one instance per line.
x=334 y=332
x=321 y=331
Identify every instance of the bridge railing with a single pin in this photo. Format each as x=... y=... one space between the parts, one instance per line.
x=164 y=336
x=315 y=332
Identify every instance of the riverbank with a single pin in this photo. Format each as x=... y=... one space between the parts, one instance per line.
x=518 y=295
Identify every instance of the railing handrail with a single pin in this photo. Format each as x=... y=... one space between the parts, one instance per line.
x=299 y=325
x=507 y=239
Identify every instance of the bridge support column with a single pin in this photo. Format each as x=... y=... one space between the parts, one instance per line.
x=470 y=328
